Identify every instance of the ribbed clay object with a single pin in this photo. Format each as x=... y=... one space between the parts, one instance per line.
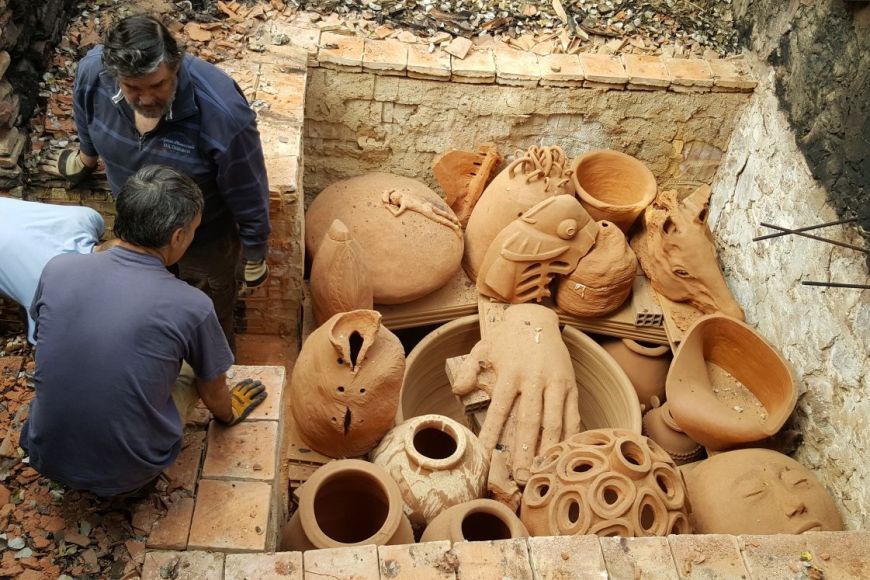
x=478 y=520
x=659 y=426
x=646 y=366
x=339 y=278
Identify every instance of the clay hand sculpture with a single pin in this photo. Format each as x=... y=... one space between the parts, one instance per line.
x=676 y=251
x=534 y=373
x=547 y=240
x=463 y=175
x=339 y=278
x=398 y=202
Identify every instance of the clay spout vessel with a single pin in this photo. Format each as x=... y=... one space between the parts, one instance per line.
x=697 y=401
x=474 y=521
x=339 y=278
x=659 y=425
x=646 y=366
x=347 y=503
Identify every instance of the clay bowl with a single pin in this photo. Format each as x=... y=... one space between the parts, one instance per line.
x=607 y=398
x=738 y=349
x=613 y=186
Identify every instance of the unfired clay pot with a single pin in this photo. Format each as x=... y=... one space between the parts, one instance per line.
x=659 y=425
x=603 y=278
x=478 y=520
x=347 y=503
x=758 y=491
x=608 y=482
x=345 y=384
x=646 y=366
x=437 y=463
x=613 y=186
x=696 y=401
x=411 y=240
x=339 y=278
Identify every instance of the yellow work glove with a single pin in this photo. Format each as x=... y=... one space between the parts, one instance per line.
x=67 y=164
x=245 y=397
x=256 y=272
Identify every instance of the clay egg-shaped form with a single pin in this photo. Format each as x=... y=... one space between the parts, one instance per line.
x=727 y=386
x=758 y=491
x=346 y=382
x=411 y=240
x=339 y=279
x=475 y=521
x=613 y=186
x=608 y=482
x=646 y=366
x=437 y=463
x=659 y=425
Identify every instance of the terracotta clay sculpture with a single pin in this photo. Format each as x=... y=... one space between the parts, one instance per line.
x=410 y=239
x=475 y=521
x=745 y=396
x=646 y=366
x=345 y=384
x=334 y=492
x=608 y=482
x=613 y=186
x=676 y=251
x=463 y=175
x=758 y=491
x=339 y=279
x=659 y=425
x=537 y=174
x=603 y=278
x=437 y=463
x=547 y=240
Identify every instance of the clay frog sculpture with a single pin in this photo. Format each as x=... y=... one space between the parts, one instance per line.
x=676 y=251
x=346 y=382
x=547 y=240
x=339 y=278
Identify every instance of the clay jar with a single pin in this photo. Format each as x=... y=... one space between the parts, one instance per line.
x=659 y=425
x=603 y=278
x=646 y=366
x=608 y=482
x=339 y=278
x=758 y=491
x=437 y=463
x=613 y=186
x=411 y=240
x=347 y=503
x=346 y=382
x=696 y=402
x=478 y=520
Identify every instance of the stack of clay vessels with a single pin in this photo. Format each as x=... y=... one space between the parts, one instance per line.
x=646 y=366
x=478 y=520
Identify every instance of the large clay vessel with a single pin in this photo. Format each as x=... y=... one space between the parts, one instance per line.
x=475 y=521
x=758 y=491
x=539 y=173
x=659 y=425
x=696 y=400
x=347 y=503
x=437 y=463
x=613 y=186
x=411 y=240
x=339 y=278
x=603 y=278
x=345 y=384
x=646 y=366
x=608 y=482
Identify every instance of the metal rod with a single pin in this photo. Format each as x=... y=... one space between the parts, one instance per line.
x=804 y=229
x=812 y=237
x=835 y=285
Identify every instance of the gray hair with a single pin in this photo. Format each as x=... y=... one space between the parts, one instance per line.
x=137 y=45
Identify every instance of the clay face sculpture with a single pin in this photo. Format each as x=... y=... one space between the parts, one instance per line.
x=608 y=482
x=659 y=425
x=538 y=174
x=613 y=186
x=646 y=366
x=475 y=521
x=546 y=240
x=603 y=278
x=339 y=279
x=345 y=385
x=727 y=386
x=410 y=239
x=463 y=175
x=676 y=251
x=758 y=491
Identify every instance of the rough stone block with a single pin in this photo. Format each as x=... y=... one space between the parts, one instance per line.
x=493 y=559
x=602 y=69
x=423 y=64
x=344 y=51
x=478 y=66
x=428 y=561
x=646 y=71
x=243 y=451
x=183 y=566
x=638 y=558
x=773 y=557
x=385 y=56
x=183 y=473
x=709 y=556
x=273 y=378
x=357 y=563
x=841 y=554
x=561 y=70
x=231 y=516
x=280 y=566
x=689 y=72
x=562 y=557
x=731 y=75
x=517 y=67
x=171 y=531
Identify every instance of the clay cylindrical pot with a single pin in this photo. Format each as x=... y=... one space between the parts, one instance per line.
x=659 y=425
x=645 y=364
x=737 y=349
x=477 y=520
x=348 y=502
x=613 y=186
x=437 y=463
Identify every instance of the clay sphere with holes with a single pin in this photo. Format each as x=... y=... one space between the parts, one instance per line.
x=437 y=463
x=608 y=482
x=475 y=521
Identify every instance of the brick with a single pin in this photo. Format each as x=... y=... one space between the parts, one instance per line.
x=385 y=56
x=183 y=473
x=231 y=516
x=344 y=51
x=561 y=70
x=638 y=558
x=171 y=531
x=279 y=139
x=459 y=47
x=356 y=563
x=283 y=93
x=423 y=64
x=273 y=378
x=562 y=557
x=307 y=38
x=280 y=566
x=477 y=67
x=428 y=561
x=773 y=557
x=183 y=566
x=707 y=556
x=602 y=70
x=731 y=75
x=517 y=67
x=283 y=174
x=841 y=554
x=243 y=451
x=645 y=71
x=493 y=559
x=689 y=72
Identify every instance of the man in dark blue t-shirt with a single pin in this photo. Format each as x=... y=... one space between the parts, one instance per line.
x=112 y=331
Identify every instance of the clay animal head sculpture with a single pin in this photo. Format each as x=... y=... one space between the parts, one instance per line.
x=339 y=278
x=758 y=491
x=548 y=239
x=346 y=382
x=676 y=251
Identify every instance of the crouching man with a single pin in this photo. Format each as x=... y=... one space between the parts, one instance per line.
x=124 y=349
